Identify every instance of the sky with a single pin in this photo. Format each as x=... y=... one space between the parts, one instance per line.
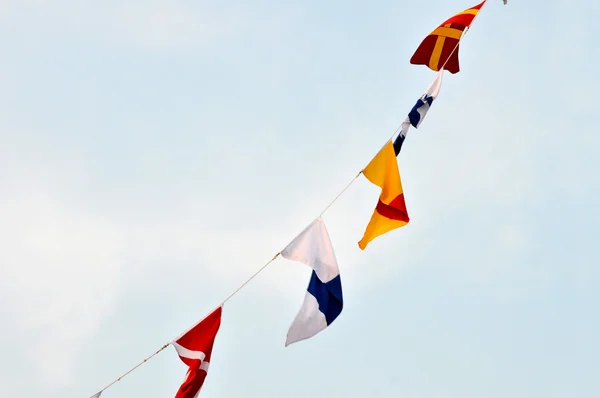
x=155 y=154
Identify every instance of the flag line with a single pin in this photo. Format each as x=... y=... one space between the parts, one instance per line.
x=231 y=295
x=279 y=253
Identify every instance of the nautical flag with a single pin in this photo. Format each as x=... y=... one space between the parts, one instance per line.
x=323 y=301
x=418 y=112
x=195 y=348
x=390 y=212
x=440 y=48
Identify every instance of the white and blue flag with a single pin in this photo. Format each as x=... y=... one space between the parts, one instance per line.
x=323 y=301
x=418 y=112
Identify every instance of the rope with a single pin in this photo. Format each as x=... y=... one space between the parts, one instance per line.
x=131 y=370
x=229 y=297
x=252 y=277
x=279 y=253
x=463 y=35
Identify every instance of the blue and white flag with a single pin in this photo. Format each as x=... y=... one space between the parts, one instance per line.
x=418 y=112
x=323 y=301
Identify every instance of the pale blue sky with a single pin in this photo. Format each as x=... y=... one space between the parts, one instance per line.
x=154 y=155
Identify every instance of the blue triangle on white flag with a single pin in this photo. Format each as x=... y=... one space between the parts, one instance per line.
x=418 y=112
x=323 y=301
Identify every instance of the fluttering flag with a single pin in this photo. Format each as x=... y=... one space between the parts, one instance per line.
x=417 y=113
x=195 y=348
x=390 y=212
x=323 y=301
x=440 y=48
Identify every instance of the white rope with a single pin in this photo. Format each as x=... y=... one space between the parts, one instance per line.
x=277 y=255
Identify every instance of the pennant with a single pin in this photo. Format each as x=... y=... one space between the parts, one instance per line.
x=194 y=349
x=390 y=212
x=323 y=301
x=418 y=112
x=440 y=48
x=97 y=395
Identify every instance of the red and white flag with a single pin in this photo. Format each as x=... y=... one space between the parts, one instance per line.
x=194 y=349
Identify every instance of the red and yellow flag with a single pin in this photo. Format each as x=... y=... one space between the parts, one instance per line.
x=390 y=212
x=440 y=48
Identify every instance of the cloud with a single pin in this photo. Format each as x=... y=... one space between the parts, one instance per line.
x=154 y=24
x=69 y=260
x=60 y=274
x=163 y=24
x=108 y=225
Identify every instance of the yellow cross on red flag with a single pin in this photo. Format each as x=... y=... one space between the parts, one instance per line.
x=440 y=48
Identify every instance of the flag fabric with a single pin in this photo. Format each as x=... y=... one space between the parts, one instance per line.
x=97 y=395
x=440 y=48
x=418 y=112
x=194 y=349
x=323 y=301
x=390 y=212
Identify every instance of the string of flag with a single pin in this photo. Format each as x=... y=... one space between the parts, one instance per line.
x=323 y=301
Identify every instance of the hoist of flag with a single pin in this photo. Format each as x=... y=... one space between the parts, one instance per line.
x=440 y=48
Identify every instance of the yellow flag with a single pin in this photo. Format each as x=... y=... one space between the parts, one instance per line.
x=390 y=212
